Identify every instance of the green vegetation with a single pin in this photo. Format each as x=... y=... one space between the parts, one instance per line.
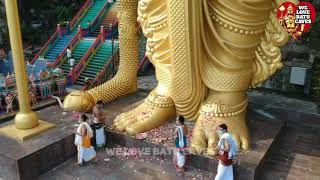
x=312 y=37
x=315 y=83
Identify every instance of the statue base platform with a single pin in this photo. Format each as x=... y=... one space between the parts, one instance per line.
x=265 y=125
x=247 y=166
x=42 y=153
x=34 y=156
x=18 y=134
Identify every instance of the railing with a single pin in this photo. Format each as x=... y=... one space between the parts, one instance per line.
x=75 y=73
x=80 y=13
x=106 y=72
x=73 y=43
x=143 y=60
x=99 y=16
x=111 y=30
x=48 y=44
x=60 y=32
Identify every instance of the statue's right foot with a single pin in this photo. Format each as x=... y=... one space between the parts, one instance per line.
x=154 y=112
x=204 y=137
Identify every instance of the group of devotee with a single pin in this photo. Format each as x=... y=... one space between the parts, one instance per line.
x=88 y=138
x=226 y=149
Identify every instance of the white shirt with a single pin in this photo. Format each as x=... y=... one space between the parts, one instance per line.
x=69 y=53
x=71 y=62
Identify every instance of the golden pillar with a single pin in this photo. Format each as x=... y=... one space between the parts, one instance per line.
x=25 y=119
x=26 y=123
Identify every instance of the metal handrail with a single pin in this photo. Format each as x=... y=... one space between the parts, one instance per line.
x=145 y=58
x=103 y=71
x=100 y=14
x=74 y=40
x=80 y=14
x=54 y=36
x=75 y=73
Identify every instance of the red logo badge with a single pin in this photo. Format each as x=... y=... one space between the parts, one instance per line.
x=296 y=19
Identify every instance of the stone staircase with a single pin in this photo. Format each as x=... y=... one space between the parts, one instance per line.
x=96 y=63
x=79 y=51
x=109 y=19
x=63 y=42
x=294 y=155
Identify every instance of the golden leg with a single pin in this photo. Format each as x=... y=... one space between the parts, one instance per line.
x=125 y=81
x=221 y=108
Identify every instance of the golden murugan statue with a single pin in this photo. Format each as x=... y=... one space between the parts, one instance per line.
x=206 y=54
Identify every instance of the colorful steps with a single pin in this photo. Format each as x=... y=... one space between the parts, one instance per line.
x=92 y=12
x=97 y=62
x=109 y=18
x=78 y=52
x=62 y=43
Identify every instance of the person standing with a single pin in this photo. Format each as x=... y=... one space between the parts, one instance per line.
x=99 y=139
x=227 y=149
x=9 y=102
x=180 y=133
x=82 y=140
x=69 y=52
x=71 y=62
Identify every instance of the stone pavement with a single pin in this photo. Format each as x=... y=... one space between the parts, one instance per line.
x=119 y=168
x=294 y=156
x=281 y=101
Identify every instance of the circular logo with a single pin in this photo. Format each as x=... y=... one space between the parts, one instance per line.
x=296 y=19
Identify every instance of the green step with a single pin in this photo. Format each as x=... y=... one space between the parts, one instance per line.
x=97 y=62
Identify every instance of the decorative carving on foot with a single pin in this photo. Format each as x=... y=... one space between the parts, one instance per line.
x=154 y=112
x=81 y=101
x=211 y=115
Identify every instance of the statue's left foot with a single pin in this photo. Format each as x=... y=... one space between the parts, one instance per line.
x=205 y=138
x=81 y=101
x=154 y=112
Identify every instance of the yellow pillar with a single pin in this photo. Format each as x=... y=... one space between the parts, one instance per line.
x=25 y=119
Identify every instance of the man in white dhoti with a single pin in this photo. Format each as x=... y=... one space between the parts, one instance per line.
x=82 y=140
x=180 y=134
x=227 y=149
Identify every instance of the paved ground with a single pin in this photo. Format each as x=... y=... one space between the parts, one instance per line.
x=295 y=156
x=119 y=168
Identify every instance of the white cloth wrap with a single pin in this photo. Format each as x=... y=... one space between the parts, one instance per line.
x=224 y=172
x=233 y=145
x=180 y=136
x=78 y=139
x=181 y=159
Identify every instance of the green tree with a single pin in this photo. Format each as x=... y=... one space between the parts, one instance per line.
x=315 y=83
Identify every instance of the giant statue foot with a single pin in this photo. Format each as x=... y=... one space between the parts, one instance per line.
x=79 y=101
x=154 y=112
x=204 y=137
